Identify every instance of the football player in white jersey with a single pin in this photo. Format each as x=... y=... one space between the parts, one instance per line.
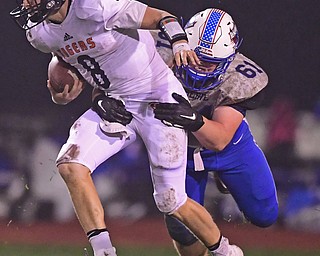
x=105 y=41
x=221 y=89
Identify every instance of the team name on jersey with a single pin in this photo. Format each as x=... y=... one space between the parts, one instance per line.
x=76 y=47
x=197 y=96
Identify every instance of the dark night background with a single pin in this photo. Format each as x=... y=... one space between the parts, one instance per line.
x=281 y=36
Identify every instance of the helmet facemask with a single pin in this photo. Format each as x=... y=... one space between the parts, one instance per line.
x=196 y=80
x=37 y=11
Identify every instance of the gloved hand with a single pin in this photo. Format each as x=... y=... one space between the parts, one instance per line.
x=180 y=115
x=111 y=109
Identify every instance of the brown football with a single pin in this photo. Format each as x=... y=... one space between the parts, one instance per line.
x=60 y=74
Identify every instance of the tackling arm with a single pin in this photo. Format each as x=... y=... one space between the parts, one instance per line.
x=217 y=133
x=214 y=134
x=179 y=115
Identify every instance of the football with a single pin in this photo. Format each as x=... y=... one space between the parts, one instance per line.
x=60 y=74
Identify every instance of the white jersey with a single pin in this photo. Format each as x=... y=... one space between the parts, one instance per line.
x=102 y=40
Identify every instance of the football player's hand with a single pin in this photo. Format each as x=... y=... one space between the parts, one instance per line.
x=180 y=115
x=68 y=94
x=111 y=109
x=183 y=54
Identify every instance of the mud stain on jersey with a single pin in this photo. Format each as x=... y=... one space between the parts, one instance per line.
x=70 y=154
x=172 y=149
x=76 y=125
x=167 y=200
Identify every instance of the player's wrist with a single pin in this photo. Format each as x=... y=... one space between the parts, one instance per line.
x=59 y=101
x=197 y=124
x=98 y=97
x=180 y=46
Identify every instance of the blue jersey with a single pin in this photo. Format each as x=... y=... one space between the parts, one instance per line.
x=244 y=169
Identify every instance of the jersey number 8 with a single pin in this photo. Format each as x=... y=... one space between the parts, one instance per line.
x=98 y=75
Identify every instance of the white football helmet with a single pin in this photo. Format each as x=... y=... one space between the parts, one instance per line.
x=214 y=37
x=30 y=13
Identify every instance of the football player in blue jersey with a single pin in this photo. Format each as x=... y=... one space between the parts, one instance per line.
x=221 y=89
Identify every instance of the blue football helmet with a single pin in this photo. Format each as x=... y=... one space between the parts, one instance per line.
x=214 y=37
x=30 y=13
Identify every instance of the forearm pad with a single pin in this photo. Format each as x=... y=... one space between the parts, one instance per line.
x=172 y=29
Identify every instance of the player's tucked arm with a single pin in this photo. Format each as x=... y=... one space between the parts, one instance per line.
x=63 y=98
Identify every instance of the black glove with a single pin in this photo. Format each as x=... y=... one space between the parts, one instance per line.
x=111 y=110
x=180 y=115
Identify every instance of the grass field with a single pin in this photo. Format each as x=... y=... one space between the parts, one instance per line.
x=43 y=250
x=147 y=237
